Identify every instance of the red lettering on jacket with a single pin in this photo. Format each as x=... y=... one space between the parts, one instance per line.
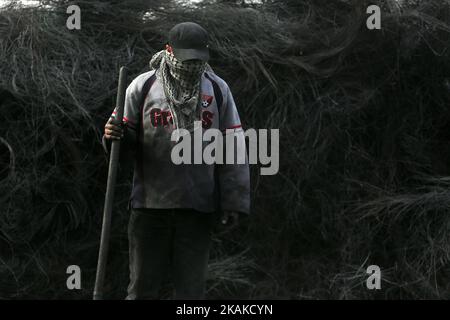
x=207 y=119
x=155 y=117
x=160 y=118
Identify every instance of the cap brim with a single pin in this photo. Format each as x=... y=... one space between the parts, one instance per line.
x=190 y=54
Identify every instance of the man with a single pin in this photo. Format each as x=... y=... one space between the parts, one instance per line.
x=172 y=206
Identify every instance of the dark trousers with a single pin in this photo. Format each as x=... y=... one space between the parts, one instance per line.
x=162 y=240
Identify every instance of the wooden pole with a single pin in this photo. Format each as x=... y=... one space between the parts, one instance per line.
x=109 y=197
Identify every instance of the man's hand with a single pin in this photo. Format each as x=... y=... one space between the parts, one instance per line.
x=230 y=219
x=113 y=130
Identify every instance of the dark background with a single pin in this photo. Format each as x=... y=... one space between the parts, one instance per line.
x=364 y=144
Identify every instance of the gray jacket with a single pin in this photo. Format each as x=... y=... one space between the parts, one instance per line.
x=157 y=182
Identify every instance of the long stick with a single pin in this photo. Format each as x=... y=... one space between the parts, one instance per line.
x=109 y=197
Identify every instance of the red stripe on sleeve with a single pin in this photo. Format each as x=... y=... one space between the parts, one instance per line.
x=125 y=119
x=233 y=127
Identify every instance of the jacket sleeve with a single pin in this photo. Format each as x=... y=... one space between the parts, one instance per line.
x=234 y=179
x=130 y=122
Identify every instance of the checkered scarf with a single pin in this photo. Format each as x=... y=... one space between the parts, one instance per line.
x=181 y=82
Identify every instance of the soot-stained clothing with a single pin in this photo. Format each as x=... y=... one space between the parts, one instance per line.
x=157 y=182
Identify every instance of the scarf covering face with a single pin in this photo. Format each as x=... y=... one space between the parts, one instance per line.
x=181 y=82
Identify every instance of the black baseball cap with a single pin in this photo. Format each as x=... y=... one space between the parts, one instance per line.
x=189 y=41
